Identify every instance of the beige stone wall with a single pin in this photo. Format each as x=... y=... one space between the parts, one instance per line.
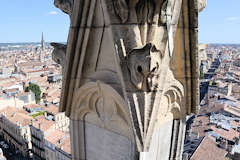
x=37 y=142
x=62 y=122
x=11 y=102
x=15 y=135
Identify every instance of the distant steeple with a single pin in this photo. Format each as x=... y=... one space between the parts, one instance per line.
x=42 y=50
x=42 y=43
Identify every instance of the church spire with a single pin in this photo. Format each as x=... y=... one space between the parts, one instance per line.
x=42 y=43
x=42 y=50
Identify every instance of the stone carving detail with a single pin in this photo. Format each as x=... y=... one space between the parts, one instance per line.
x=121 y=9
x=175 y=101
x=132 y=41
x=146 y=107
x=144 y=19
x=98 y=103
x=145 y=68
x=143 y=65
x=144 y=11
x=65 y=5
x=59 y=54
x=201 y=5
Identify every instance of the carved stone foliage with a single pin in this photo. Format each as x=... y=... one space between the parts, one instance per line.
x=143 y=20
x=99 y=104
x=201 y=5
x=141 y=11
x=65 y=5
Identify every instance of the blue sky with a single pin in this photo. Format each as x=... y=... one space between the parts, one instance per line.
x=219 y=22
x=25 y=20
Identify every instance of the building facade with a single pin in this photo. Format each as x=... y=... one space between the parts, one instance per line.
x=40 y=128
x=15 y=130
x=58 y=147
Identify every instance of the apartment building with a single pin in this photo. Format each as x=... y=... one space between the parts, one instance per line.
x=40 y=128
x=14 y=126
x=57 y=147
x=62 y=121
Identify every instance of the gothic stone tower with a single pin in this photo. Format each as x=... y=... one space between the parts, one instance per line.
x=131 y=77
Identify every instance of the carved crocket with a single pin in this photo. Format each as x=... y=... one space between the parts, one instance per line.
x=59 y=54
x=65 y=5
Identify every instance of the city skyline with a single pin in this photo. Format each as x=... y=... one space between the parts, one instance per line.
x=25 y=22
x=219 y=22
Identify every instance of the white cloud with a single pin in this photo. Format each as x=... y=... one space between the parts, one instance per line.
x=52 y=13
x=233 y=18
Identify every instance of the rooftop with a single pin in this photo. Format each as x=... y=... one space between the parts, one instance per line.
x=208 y=150
x=53 y=109
x=16 y=116
x=58 y=136
x=65 y=145
x=43 y=122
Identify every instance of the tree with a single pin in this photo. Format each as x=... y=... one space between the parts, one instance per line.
x=201 y=74
x=36 y=90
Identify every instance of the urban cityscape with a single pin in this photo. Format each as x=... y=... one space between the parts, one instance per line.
x=30 y=88
x=120 y=87
x=214 y=132
x=29 y=120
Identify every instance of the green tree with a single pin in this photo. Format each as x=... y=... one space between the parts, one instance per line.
x=36 y=90
x=201 y=74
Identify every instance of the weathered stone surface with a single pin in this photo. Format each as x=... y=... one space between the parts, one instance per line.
x=59 y=54
x=201 y=5
x=106 y=145
x=131 y=70
x=65 y=5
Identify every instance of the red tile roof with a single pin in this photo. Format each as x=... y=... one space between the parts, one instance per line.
x=208 y=150
x=51 y=109
x=16 y=116
x=65 y=145
x=200 y=125
x=44 y=123
x=55 y=136
x=229 y=135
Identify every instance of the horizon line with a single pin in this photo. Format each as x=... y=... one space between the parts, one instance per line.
x=33 y=42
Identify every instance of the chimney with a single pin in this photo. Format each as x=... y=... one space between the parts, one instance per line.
x=45 y=114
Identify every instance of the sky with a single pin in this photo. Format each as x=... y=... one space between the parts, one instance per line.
x=25 y=20
x=219 y=22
